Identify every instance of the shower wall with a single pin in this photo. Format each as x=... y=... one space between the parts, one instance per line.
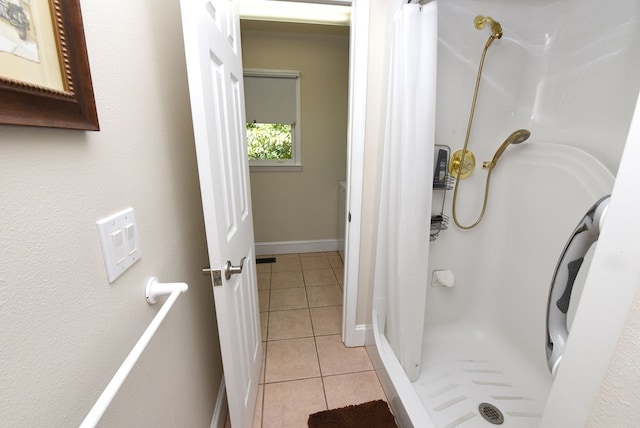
x=572 y=83
x=567 y=70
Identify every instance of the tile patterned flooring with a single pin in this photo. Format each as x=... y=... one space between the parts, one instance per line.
x=306 y=367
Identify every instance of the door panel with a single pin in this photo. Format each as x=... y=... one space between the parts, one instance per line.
x=214 y=69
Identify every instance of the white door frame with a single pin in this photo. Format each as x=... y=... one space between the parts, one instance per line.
x=352 y=333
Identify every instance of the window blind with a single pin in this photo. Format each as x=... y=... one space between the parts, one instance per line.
x=270 y=99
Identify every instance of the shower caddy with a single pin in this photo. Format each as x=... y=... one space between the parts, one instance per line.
x=442 y=181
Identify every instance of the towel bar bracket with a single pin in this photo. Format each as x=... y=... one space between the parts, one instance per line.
x=156 y=289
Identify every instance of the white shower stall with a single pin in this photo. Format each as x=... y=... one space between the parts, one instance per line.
x=568 y=71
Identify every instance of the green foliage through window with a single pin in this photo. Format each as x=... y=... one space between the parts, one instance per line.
x=269 y=140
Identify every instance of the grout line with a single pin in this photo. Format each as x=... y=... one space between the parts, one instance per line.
x=289 y=338
x=293 y=380
x=348 y=373
x=264 y=341
x=262 y=409
x=315 y=342
x=266 y=345
x=324 y=390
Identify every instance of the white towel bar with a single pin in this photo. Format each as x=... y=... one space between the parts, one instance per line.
x=152 y=291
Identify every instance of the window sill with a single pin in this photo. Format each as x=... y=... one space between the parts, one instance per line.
x=275 y=168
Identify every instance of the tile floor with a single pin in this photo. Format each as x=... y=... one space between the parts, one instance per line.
x=307 y=368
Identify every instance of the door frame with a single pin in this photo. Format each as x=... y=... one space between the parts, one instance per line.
x=353 y=334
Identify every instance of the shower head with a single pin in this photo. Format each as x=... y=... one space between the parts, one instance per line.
x=496 y=29
x=519 y=136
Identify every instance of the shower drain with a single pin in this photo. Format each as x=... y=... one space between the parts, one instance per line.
x=491 y=413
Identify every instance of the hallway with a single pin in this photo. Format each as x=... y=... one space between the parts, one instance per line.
x=306 y=367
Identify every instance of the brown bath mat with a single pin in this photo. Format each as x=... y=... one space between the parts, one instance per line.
x=374 y=414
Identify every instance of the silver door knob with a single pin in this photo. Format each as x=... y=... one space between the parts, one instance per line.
x=230 y=269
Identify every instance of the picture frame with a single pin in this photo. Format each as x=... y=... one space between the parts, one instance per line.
x=59 y=48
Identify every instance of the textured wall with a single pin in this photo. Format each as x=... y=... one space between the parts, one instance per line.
x=617 y=401
x=295 y=206
x=65 y=329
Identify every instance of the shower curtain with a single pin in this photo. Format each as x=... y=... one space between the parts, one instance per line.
x=402 y=254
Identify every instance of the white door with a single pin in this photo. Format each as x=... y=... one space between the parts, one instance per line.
x=214 y=67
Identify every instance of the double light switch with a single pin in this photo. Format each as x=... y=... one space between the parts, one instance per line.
x=120 y=243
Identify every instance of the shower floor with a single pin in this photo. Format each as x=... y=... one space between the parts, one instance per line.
x=460 y=371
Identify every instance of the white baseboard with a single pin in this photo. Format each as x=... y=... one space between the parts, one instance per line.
x=221 y=409
x=360 y=334
x=357 y=336
x=290 y=247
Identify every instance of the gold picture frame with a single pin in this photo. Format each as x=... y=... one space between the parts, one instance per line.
x=45 y=78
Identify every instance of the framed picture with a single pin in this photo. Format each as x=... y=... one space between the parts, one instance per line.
x=44 y=68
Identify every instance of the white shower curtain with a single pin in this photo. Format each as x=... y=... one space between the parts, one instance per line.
x=402 y=255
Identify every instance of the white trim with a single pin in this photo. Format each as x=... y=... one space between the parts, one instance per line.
x=358 y=75
x=335 y=2
x=290 y=247
x=265 y=72
x=274 y=168
x=294 y=164
x=359 y=335
x=297 y=127
x=311 y=12
x=220 y=411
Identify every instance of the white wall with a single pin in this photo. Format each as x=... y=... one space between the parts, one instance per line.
x=566 y=70
x=65 y=328
x=571 y=86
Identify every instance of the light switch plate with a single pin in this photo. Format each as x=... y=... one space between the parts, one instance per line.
x=119 y=238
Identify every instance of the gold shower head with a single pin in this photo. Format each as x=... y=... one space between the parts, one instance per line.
x=496 y=29
x=517 y=137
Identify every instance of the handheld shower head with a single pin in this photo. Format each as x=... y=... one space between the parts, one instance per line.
x=519 y=136
x=496 y=29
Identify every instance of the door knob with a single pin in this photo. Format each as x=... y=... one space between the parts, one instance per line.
x=230 y=269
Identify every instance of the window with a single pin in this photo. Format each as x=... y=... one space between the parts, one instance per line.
x=272 y=102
